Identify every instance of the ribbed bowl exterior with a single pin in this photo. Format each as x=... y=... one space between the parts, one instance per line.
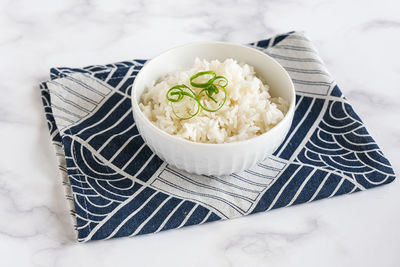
x=213 y=159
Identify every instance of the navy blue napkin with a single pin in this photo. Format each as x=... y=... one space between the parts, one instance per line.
x=117 y=186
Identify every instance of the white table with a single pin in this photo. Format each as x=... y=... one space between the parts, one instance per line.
x=359 y=41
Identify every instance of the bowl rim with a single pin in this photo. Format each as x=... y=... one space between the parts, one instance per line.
x=135 y=104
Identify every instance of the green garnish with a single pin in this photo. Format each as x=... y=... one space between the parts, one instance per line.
x=210 y=88
x=177 y=93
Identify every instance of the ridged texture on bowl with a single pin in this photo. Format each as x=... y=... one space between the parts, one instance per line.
x=211 y=159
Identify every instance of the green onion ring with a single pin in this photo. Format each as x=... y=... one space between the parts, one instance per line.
x=202 y=73
x=221 y=79
x=220 y=106
x=185 y=118
x=177 y=93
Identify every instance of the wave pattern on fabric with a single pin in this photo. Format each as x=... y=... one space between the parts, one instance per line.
x=117 y=186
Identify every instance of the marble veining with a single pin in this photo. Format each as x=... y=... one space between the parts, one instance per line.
x=358 y=41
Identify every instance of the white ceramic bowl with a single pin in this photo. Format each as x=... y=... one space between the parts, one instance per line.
x=213 y=159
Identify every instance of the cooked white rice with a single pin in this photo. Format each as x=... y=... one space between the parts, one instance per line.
x=248 y=112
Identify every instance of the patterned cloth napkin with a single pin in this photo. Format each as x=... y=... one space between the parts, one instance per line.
x=118 y=187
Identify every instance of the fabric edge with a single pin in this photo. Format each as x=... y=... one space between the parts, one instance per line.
x=60 y=155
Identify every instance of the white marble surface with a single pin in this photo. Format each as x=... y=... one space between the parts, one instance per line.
x=359 y=41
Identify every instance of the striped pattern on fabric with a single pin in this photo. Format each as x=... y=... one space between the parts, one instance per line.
x=116 y=186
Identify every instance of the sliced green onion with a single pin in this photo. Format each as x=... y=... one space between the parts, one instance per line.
x=222 y=79
x=203 y=73
x=177 y=93
x=190 y=115
x=219 y=107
